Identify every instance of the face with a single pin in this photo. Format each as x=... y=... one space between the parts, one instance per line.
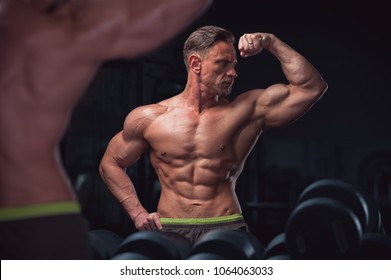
x=218 y=69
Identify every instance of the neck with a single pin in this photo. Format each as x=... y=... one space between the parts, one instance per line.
x=197 y=100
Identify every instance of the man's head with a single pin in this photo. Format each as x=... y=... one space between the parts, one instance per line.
x=201 y=40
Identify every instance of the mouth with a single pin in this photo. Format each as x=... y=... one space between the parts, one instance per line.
x=228 y=83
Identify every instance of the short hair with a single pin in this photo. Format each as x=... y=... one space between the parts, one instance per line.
x=204 y=38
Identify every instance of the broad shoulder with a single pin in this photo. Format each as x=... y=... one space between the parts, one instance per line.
x=146 y=111
x=141 y=117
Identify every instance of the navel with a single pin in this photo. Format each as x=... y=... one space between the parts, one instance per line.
x=222 y=147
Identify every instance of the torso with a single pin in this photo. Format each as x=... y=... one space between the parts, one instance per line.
x=198 y=158
x=38 y=88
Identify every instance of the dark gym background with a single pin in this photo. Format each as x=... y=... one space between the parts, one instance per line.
x=346 y=135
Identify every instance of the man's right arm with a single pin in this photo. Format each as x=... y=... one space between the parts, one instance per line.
x=124 y=150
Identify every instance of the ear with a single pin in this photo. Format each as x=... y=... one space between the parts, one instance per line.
x=195 y=63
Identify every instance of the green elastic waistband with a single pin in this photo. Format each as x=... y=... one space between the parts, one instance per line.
x=39 y=210
x=201 y=221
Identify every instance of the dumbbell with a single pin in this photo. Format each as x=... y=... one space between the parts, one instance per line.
x=340 y=191
x=362 y=204
x=227 y=244
x=153 y=245
x=328 y=222
x=104 y=243
x=375 y=224
x=205 y=256
x=323 y=228
x=131 y=256
x=276 y=248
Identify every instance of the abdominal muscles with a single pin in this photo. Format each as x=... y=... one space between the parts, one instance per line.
x=197 y=188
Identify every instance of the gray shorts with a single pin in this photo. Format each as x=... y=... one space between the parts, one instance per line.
x=193 y=229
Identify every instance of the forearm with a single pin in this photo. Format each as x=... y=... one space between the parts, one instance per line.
x=122 y=188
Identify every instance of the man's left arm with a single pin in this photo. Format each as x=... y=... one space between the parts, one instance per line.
x=280 y=104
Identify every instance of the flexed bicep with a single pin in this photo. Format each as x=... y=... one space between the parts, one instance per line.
x=283 y=104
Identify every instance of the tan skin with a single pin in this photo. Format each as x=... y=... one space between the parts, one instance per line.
x=198 y=140
x=47 y=61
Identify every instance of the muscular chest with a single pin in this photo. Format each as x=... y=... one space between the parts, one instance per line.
x=185 y=134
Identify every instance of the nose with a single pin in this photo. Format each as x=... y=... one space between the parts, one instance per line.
x=232 y=72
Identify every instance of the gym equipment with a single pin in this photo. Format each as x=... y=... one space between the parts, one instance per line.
x=276 y=248
x=375 y=246
x=342 y=192
x=374 y=175
x=280 y=257
x=206 y=256
x=227 y=244
x=130 y=256
x=104 y=243
x=375 y=223
x=323 y=228
x=154 y=245
x=360 y=202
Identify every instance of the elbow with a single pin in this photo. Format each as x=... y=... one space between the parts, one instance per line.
x=108 y=166
x=324 y=85
x=322 y=88
x=102 y=169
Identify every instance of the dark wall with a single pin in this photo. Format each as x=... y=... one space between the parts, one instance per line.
x=346 y=135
